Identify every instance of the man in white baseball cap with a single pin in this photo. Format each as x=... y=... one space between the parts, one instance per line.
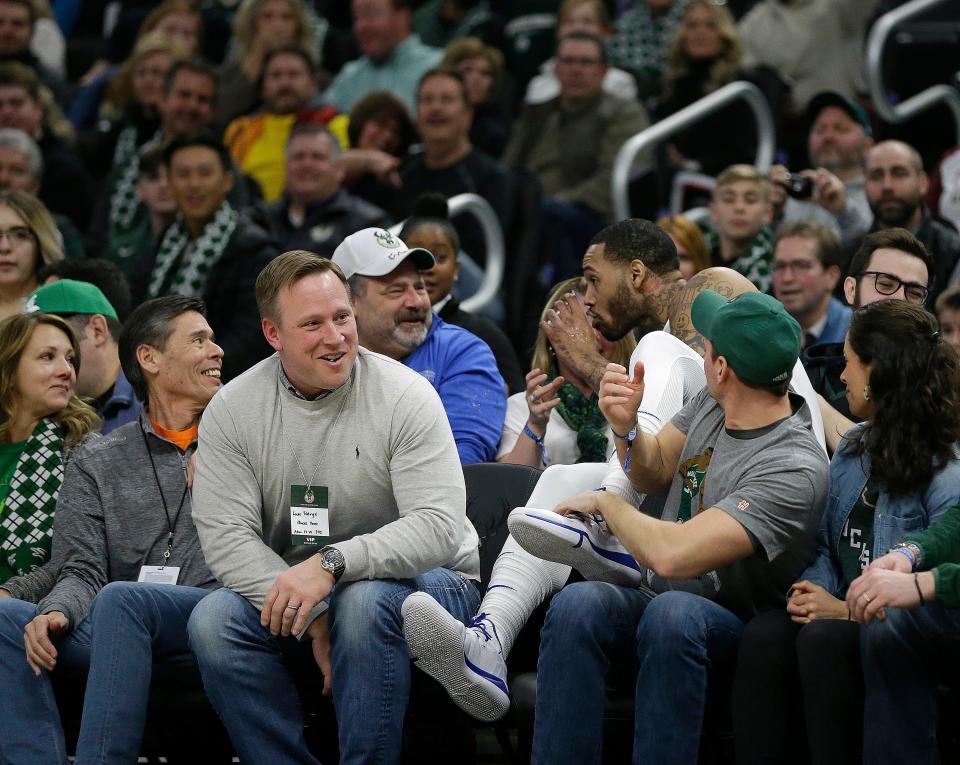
x=394 y=318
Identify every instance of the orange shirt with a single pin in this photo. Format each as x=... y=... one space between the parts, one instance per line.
x=182 y=438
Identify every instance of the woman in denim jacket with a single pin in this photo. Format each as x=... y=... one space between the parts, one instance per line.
x=799 y=670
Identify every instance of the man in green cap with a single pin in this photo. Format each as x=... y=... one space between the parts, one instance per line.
x=745 y=481
x=95 y=322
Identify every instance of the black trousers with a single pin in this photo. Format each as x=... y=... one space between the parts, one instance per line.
x=798 y=692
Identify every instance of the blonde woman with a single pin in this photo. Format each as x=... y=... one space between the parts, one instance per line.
x=29 y=240
x=706 y=55
x=557 y=420
x=41 y=418
x=258 y=26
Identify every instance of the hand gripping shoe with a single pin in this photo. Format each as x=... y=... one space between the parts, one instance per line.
x=582 y=542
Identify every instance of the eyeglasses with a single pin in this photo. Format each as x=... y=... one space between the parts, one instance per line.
x=17 y=235
x=799 y=266
x=888 y=284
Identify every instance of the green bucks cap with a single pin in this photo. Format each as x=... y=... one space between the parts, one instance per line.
x=753 y=331
x=69 y=296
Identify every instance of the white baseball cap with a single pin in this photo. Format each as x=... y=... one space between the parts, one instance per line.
x=377 y=252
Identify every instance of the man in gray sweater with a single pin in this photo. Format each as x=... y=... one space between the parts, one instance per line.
x=127 y=568
x=326 y=475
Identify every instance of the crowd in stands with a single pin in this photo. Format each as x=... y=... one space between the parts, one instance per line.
x=242 y=381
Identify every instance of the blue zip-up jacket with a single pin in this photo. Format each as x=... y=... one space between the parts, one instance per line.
x=838 y=320
x=121 y=408
x=895 y=517
x=462 y=369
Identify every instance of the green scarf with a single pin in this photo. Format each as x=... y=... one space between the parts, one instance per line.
x=182 y=266
x=26 y=524
x=583 y=415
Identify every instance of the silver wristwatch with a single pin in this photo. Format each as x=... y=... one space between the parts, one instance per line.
x=332 y=560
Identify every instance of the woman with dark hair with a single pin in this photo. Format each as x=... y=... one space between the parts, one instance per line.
x=41 y=419
x=430 y=227
x=380 y=132
x=892 y=475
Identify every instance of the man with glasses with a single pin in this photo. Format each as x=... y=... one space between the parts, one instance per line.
x=805 y=273
x=569 y=144
x=891 y=264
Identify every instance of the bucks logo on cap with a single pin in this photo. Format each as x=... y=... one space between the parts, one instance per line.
x=386 y=239
x=31 y=305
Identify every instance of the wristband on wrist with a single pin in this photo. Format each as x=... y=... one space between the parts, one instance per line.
x=538 y=440
x=911 y=551
x=906 y=554
x=629 y=441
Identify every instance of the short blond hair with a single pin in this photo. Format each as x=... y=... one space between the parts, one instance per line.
x=738 y=173
x=286 y=270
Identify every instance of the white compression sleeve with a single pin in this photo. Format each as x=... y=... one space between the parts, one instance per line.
x=520 y=581
x=673 y=374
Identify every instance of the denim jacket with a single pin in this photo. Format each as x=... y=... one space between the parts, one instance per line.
x=895 y=517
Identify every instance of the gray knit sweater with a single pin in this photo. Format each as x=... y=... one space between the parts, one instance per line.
x=396 y=492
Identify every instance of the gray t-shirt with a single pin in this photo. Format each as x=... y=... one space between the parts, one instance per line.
x=773 y=481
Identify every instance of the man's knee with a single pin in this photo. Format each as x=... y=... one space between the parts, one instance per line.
x=580 y=607
x=117 y=595
x=370 y=606
x=220 y=620
x=15 y=615
x=677 y=614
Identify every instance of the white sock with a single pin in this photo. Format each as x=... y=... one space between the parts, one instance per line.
x=520 y=581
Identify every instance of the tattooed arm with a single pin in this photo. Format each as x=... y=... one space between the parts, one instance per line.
x=572 y=337
x=724 y=281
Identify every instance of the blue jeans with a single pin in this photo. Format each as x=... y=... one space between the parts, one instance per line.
x=901 y=657
x=247 y=672
x=676 y=642
x=131 y=624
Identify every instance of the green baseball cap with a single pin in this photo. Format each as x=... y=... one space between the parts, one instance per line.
x=69 y=296
x=753 y=331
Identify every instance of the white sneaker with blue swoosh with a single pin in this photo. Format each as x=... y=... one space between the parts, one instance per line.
x=582 y=542
x=465 y=659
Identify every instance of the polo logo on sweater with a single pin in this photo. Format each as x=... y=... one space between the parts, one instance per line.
x=429 y=374
x=386 y=239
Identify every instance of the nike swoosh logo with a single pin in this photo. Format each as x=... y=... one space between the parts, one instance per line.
x=624 y=559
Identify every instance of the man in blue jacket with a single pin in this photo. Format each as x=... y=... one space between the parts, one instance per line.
x=394 y=319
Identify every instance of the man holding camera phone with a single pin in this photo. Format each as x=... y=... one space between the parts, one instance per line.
x=833 y=194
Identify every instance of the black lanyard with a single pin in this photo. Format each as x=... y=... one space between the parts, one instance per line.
x=170 y=524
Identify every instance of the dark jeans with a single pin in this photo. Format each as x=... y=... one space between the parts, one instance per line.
x=678 y=642
x=131 y=626
x=904 y=658
x=789 y=673
x=248 y=673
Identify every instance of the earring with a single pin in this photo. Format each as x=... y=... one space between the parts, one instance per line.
x=866 y=392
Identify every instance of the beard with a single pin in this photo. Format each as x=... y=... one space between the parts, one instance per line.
x=895 y=216
x=626 y=314
x=411 y=338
